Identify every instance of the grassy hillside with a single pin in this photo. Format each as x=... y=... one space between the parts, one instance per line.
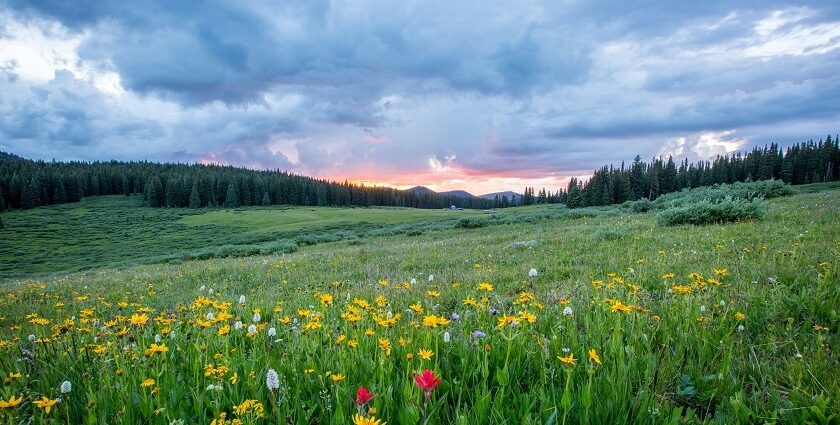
x=717 y=324
x=114 y=230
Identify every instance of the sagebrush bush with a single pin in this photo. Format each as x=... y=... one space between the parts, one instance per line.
x=606 y=234
x=765 y=189
x=471 y=222
x=703 y=212
x=641 y=205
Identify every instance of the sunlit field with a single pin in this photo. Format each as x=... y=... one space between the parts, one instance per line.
x=607 y=320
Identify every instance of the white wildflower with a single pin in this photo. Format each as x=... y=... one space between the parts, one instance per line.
x=157 y=338
x=202 y=288
x=209 y=316
x=272 y=332
x=257 y=317
x=740 y=328
x=241 y=299
x=237 y=325
x=533 y=273
x=568 y=311
x=446 y=337
x=431 y=277
x=66 y=387
x=272 y=381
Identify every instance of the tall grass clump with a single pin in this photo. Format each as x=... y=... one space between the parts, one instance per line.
x=704 y=212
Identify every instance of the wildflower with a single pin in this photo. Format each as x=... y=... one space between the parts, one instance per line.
x=31 y=338
x=337 y=377
x=203 y=287
x=45 y=403
x=446 y=337
x=252 y=329
x=820 y=328
x=740 y=328
x=568 y=360
x=363 y=396
x=154 y=349
x=257 y=317
x=533 y=273
x=593 y=355
x=386 y=346
x=241 y=299
x=272 y=381
x=66 y=387
x=425 y=354
x=494 y=311
x=504 y=320
x=478 y=334
x=485 y=286
x=13 y=402
x=431 y=277
x=361 y=420
x=272 y=332
x=433 y=321
x=433 y=294
x=568 y=311
x=224 y=330
x=427 y=381
x=740 y=316
x=139 y=319
x=147 y=383
x=702 y=309
x=237 y=325
x=454 y=317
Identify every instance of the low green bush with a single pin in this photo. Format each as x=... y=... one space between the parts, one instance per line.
x=707 y=212
x=641 y=206
x=765 y=189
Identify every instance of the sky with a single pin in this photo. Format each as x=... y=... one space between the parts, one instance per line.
x=478 y=95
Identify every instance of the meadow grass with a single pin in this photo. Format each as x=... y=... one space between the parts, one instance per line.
x=624 y=321
x=116 y=231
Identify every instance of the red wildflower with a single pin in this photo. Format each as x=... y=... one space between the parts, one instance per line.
x=363 y=396
x=427 y=382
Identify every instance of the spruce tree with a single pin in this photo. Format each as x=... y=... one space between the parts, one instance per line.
x=232 y=198
x=266 y=200
x=195 y=199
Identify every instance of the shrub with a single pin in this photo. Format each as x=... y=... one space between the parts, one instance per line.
x=278 y=247
x=606 y=234
x=641 y=206
x=471 y=222
x=764 y=189
x=707 y=212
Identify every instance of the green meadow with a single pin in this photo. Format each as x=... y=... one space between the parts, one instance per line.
x=624 y=321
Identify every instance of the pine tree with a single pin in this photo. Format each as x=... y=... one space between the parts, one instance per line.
x=232 y=197
x=266 y=200
x=29 y=195
x=195 y=199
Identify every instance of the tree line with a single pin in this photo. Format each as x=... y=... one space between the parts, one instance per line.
x=28 y=184
x=801 y=163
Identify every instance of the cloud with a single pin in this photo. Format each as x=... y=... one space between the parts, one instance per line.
x=474 y=94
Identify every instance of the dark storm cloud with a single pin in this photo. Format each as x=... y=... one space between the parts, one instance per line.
x=328 y=87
